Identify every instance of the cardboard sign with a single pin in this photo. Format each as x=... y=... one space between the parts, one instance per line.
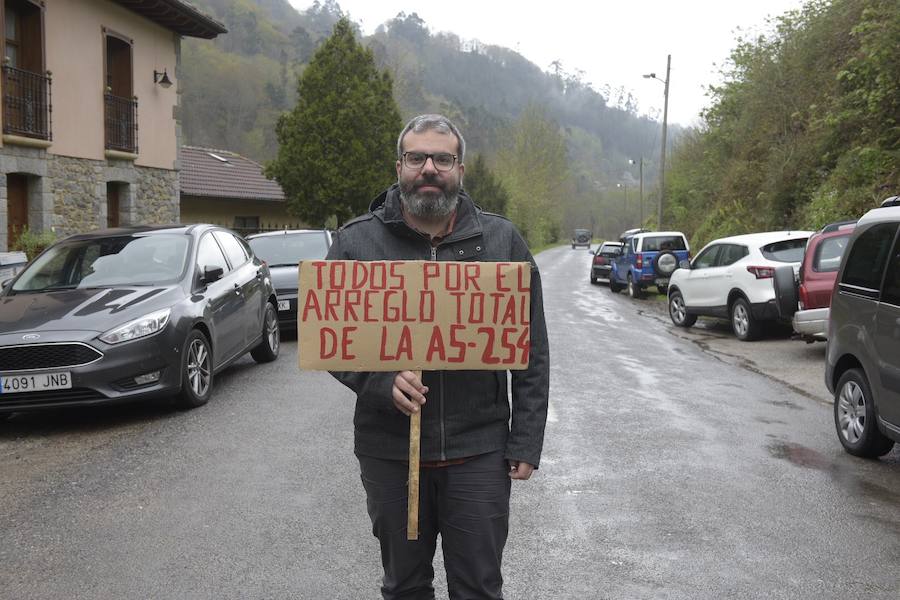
x=409 y=315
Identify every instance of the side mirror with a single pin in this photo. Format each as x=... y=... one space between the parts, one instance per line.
x=211 y=274
x=684 y=264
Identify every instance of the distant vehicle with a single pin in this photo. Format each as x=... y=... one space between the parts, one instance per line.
x=805 y=300
x=602 y=261
x=862 y=357
x=732 y=278
x=647 y=258
x=582 y=237
x=282 y=251
x=133 y=313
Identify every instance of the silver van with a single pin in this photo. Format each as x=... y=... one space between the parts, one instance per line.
x=863 y=351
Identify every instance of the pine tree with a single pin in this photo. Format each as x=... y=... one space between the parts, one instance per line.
x=484 y=188
x=336 y=147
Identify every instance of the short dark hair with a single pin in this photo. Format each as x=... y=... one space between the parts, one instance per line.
x=438 y=123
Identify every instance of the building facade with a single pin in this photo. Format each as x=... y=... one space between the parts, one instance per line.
x=90 y=112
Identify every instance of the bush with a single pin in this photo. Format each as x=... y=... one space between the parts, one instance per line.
x=33 y=243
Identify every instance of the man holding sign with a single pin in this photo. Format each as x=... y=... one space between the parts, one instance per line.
x=469 y=449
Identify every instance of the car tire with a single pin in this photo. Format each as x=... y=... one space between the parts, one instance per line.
x=593 y=279
x=664 y=270
x=678 y=311
x=196 y=371
x=267 y=349
x=785 y=291
x=634 y=289
x=614 y=286
x=744 y=325
x=855 y=418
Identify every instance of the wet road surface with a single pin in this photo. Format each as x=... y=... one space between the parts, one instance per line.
x=668 y=472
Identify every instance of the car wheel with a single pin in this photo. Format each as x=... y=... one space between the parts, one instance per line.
x=854 y=417
x=678 y=311
x=267 y=350
x=745 y=327
x=196 y=372
x=785 y=291
x=665 y=263
x=634 y=290
x=593 y=279
x=614 y=287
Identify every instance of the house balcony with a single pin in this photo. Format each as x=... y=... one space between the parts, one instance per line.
x=27 y=108
x=121 y=124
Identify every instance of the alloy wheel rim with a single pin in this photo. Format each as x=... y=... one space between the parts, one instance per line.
x=198 y=368
x=272 y=332
x=852 y=412
x=678 y=308
x=740 y=319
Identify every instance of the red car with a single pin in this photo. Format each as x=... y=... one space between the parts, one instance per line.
x=818 y=272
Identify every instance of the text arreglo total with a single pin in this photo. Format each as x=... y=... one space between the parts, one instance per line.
x=420 y=312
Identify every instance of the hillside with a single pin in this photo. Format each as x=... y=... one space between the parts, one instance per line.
x=236 y=86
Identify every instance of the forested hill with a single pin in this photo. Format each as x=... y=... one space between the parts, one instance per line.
x=235 y=88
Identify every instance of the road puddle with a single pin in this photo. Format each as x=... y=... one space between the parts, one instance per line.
x=799 y=455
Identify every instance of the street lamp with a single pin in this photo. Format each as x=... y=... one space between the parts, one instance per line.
x=662 y=162
x=641 y=168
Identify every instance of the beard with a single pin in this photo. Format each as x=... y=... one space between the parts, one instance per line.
x=430 y=206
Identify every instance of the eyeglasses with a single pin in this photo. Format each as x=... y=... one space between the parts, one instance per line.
x=442 y=161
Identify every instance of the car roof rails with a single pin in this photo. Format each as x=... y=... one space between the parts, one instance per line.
x=838 y=225
x=890 y=201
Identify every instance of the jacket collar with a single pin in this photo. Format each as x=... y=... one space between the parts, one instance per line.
x=386 y=207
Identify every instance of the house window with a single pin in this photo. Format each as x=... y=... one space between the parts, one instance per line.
x=26 y=87
x=246 y=225
x=119 y=101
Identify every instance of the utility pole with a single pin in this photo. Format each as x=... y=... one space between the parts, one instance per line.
x=641 y=171
x=662 y=160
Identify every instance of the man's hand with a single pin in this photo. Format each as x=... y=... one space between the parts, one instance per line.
x=520 y=470
x=408 y=392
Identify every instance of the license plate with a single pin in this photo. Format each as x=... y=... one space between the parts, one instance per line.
x=36 y=382
x=284 y=305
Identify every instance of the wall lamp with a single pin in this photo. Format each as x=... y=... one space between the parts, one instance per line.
x=162 y=78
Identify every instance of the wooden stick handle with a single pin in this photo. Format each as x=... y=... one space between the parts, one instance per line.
x=415 y=439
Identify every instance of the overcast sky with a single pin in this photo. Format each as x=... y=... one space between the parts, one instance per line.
x=614 y=43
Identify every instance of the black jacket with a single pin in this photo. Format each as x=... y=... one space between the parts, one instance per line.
x=467 y=412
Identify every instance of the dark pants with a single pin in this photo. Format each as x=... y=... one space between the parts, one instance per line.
x=468 y=504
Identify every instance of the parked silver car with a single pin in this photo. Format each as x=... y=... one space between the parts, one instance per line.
x=863 y=350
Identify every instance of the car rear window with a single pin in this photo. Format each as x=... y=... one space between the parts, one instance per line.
x=655 y=243
x=290 y=248
x=828 y=254
x=609 y=250
x=786 y=251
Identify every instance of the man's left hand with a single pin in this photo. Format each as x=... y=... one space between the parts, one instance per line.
x=520 y=470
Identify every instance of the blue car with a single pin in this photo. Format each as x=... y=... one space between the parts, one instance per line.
x=648 y=258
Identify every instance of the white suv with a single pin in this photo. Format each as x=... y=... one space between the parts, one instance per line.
x=732 y=277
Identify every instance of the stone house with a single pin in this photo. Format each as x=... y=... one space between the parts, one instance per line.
x=90 y=112
x=225 y=188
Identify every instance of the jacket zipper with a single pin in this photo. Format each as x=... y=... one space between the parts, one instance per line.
x=441 y=395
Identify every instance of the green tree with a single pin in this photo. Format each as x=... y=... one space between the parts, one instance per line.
x=535 y=169
x=337 y=144
x=484 y=188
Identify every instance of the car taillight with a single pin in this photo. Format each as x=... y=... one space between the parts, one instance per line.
x=639 y=261
x=803 y=301
x=762 y=272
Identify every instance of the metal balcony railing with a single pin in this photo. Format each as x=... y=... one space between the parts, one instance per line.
x=27 y=109
x=121 y=123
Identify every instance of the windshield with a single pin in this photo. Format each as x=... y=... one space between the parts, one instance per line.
x=291 y=248
x=107 y=262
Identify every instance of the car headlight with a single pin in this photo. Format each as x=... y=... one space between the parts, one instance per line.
x=146 y=325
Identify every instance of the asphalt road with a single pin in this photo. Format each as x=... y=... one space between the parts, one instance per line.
x=672 y=468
